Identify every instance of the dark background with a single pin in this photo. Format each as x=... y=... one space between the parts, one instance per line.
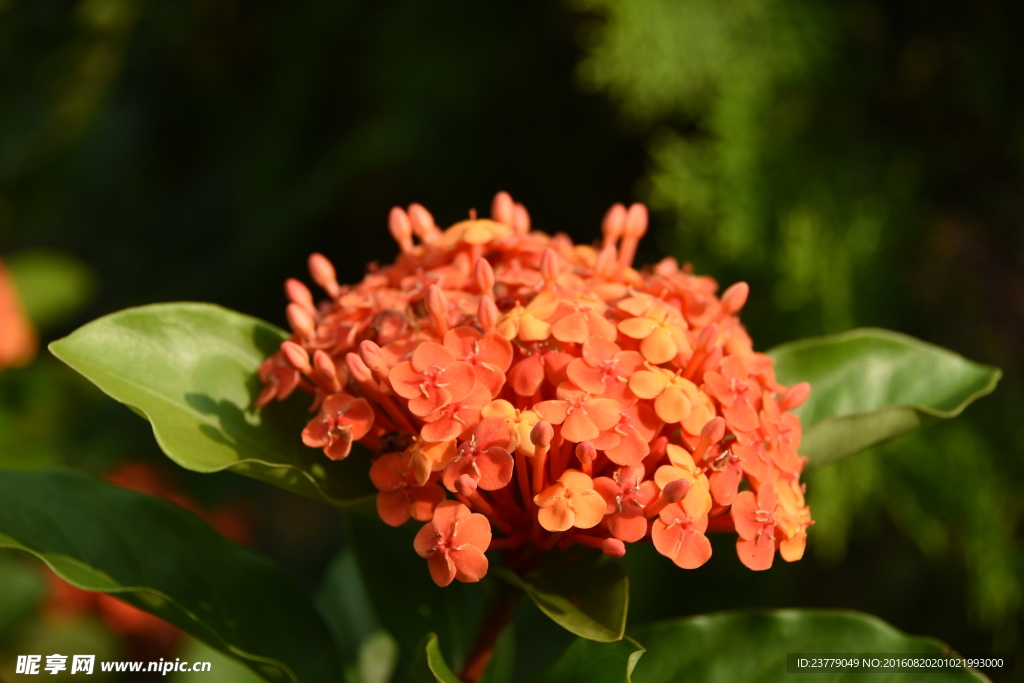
x=859 y=163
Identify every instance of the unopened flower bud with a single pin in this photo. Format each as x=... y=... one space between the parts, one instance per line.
x=676 y=490
x=520 y=219
x=549 y=267
x=357 y=368
x=299 y=293
x=503 y=208
x=300 y=320
x=373 y=356
x=487 y=313
x=296 y=357
x=483 y=275
x=542 y=434
x=734 y=297
x=465 y=485
x=795 y=396
x=613 y=225
x=328 y=374
x=585 y=452
x=323 y=274
x=613 y=547
x=422 y=223
x=400 y=228
x=437 y=306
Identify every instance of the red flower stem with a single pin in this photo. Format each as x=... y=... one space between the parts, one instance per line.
x=722 y=524
x=559 y=458
x=588 y=541
x=523 y=479
x=540 y=459
x=510 y=543
x=480 y=653
x=477 y=501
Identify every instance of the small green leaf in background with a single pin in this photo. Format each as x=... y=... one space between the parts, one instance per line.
x=751 y=646
x=407 y=602
x=587 y=661
x=190 y=369
x=429 y=665
x=871 y=385
x=223 y=668
x=23 y=587
x=583 y=592
x=52 y=285
x=344 y=603
x=167 y=561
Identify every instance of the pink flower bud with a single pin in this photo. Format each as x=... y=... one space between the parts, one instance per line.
x=296 y=357
x=503 y=208
x=542 y=434
x=300 y=320
x=734 y=297
x=323 y=274
x=613 y=547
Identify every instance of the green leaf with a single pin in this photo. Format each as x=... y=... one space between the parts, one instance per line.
x=167 y=561
x=23 y=588
x=344 y=602
x=190 y=369
x=429 y=665
x=408 y=604
x=871 y=385
x=226 y=669
x=587 y=661
x=752 y=646
x=52 y=285
x=583 y=592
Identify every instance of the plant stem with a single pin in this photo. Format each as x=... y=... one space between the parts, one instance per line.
x=497 y=617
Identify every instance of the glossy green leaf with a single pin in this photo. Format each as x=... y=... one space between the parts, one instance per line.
x=587 y=661
x=752 y=646
x=583 y=592
x=190 y=369
x=430 y=666
x=167 y=561
x=870 y=385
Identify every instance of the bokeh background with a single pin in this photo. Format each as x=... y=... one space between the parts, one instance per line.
x=859 y=163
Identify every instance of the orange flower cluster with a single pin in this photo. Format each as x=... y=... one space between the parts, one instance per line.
x=553 y=392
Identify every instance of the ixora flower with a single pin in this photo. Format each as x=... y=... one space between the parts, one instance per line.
x=513 y=381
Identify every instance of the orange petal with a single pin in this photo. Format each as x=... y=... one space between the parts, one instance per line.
x=532 y=329
x=577 y=426
x=603 y=412
x=554 y=412
x=557 y=517
x=393 y=507
x=672 y=405
x=648 y=385
x=756 y=554
x=431 y=354
x=792 y=549
x=659 y=346
x=571 y=328
x=589 y=509
x=442 y=569
x=637 y=328
x=470 y=564
x=576 y=481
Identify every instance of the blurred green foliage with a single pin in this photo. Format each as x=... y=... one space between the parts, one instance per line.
x=858 y=162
